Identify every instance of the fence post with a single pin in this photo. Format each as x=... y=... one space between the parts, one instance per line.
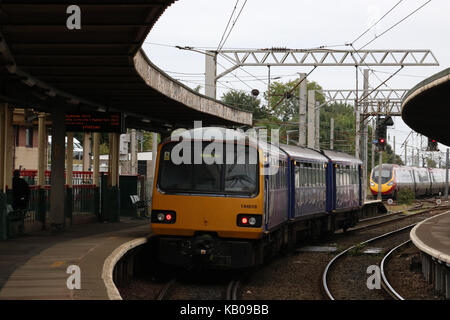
x=42 y=206
x=97 y=202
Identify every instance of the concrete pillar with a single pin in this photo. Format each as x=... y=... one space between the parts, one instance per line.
x=210 y=74
x=331 y=133
x=3 y=108
x=317 y=127
x=42 y=166
x=154 y=151
x=133 y=151
x=364 y=136
x=311 y=118
x=42 y=150
x=8 y=148
x=69 y=160
x=87 y=151
x=96 y=160
x=57 y=197
x=113 y=177
x=447 y=167
x=302 y=111
x=373 y=145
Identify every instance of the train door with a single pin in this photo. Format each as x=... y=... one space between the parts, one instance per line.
x=266 y=201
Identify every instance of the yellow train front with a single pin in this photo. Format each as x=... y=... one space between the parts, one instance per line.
x=207 y=212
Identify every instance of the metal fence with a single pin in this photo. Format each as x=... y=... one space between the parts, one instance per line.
x=78 y=177
x=83 y=194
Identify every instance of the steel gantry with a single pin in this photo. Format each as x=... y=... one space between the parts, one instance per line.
x=313 y=58
x=376 y=102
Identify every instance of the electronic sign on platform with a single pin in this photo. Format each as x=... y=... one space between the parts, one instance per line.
x=95 y=122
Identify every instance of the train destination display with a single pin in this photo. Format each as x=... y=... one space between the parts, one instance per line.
x=95 y=122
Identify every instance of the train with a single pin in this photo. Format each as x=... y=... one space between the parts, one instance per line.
x=394 y=178
x=235 y=214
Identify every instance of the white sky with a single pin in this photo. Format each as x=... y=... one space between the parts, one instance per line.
x=301 y=24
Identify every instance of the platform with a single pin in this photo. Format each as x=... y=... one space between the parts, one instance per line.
x=34 y=266
x=432 y=238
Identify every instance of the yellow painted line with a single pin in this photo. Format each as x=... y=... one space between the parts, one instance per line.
x=57 y=264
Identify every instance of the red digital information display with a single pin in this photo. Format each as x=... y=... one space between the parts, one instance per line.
x=95 y=122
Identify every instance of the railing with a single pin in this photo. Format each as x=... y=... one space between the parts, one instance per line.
x=83 y=194
x=78 y=177
x=83 y=199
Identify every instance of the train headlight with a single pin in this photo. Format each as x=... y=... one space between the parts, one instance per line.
x=372 y=184
x=390 y=183
x=163 y=216
x=249 y=220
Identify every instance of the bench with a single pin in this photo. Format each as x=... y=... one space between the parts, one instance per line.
x=140 y=205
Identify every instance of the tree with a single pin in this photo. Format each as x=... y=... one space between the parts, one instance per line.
x=284 y=98
x=242 y=100
x=431 y=163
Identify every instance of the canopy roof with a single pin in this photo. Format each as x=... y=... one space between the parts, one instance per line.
x=44 y=65
x=426 y=107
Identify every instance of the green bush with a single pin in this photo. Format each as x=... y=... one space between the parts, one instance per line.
x=405 y=196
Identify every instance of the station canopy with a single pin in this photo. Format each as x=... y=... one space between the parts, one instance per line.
x=426 y=107
x=100 y=67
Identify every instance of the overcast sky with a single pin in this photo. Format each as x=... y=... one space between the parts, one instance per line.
x=299 y=24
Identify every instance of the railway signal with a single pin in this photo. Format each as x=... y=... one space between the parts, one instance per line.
x=381 y=131
x=432 y=145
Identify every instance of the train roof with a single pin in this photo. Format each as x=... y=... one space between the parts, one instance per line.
x=303 y=153
x=341 y=157
x=227 y=135
x=390 y=166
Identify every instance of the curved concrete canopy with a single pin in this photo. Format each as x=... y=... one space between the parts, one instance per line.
x=45 y=65
x=426 y=107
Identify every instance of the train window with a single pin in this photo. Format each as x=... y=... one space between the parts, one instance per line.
x=324 y=175
x=216 y=178
x=305 y=170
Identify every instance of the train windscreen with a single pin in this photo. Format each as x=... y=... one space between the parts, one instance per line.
x=221 y=171
x=386 y=175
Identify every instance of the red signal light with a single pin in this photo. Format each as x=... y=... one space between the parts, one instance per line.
x=381 y=140
x=244 y=220
x=433 y=141
x=168 y=217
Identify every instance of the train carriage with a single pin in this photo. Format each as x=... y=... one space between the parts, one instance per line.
x=307 y=176
x=229 y=211
x=394 y=178
x=344 y=181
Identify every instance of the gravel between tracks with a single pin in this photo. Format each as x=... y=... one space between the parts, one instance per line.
x=405 y=276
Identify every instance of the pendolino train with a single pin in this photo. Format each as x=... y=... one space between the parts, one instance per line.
x=233 y=212
x=421 y=181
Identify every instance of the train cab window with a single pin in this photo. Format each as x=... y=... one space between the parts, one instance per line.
x=240 y=177
x=386 y=175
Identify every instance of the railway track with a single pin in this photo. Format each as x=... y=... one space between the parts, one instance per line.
x=332 y=263
x=385 y=282
x=400 y=241
x=230 y=292
x=394 y=217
